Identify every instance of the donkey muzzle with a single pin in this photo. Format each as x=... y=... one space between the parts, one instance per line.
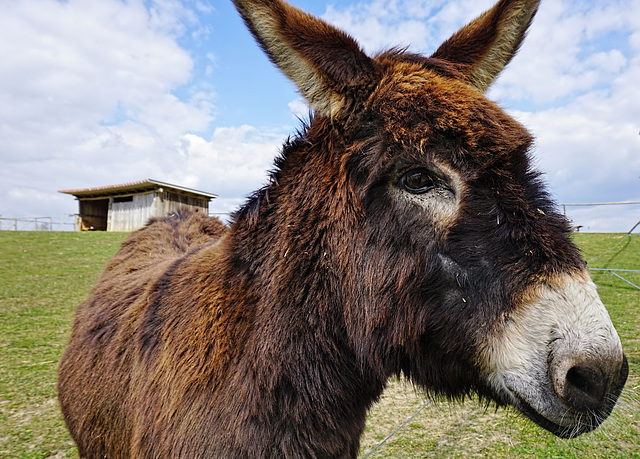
x=558 y=358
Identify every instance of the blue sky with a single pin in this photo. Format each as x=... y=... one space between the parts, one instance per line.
x=99 y=92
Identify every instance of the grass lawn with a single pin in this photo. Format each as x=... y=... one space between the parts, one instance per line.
x=44 y=276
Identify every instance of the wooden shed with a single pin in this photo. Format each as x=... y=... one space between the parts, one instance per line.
x=129 y=206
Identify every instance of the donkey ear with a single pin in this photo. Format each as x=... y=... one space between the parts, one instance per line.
x=486 y=45
x=327 y=65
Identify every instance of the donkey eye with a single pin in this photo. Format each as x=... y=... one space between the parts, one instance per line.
x=417 y=181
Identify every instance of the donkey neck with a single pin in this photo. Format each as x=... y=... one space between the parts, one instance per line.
x=290 y=251
x=296 y=369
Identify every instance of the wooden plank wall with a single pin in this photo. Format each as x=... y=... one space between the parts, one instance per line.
x=133 y=212
x=171 y=202
x=130 y=213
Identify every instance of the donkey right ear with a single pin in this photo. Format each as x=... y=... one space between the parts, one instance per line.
x=486 y=45
x=326 y=64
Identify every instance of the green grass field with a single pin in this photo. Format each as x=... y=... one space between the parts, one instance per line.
x=44 y=276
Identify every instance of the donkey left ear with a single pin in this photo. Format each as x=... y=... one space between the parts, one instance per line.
x=325 y=63
x=486 y=45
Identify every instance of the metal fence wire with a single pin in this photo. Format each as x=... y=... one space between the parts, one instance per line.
x=616 y=271
x=603 y=217
x=61 y=223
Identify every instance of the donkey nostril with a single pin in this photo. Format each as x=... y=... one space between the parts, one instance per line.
x=585 y=388
x=580 y=379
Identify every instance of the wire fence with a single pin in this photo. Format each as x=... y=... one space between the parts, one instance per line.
x=60 y=223
x=603 y=217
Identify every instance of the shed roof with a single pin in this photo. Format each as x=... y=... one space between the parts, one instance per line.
x=133 y=187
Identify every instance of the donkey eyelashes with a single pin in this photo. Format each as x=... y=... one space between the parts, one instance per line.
x=419 y=181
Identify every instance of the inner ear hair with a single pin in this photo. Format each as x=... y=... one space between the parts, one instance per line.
x=487 y=44
x=325 y=63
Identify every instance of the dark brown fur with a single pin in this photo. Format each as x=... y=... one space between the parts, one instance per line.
x=273 y=337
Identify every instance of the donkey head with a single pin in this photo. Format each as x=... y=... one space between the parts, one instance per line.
x=414 y=194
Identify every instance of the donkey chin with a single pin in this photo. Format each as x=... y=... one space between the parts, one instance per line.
x=559 y=360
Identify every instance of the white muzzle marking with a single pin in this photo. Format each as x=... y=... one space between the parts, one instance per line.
x=558 y=358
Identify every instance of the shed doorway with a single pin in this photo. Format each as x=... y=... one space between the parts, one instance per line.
x=93 y=214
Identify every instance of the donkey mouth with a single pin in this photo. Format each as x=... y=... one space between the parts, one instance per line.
x=560 y=431
x=576 y=422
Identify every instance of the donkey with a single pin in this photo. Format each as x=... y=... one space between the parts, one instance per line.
x=403 y=232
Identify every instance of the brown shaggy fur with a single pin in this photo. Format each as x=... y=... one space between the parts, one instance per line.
x=272 y=338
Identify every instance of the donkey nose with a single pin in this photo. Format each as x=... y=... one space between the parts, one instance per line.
x=587 y=385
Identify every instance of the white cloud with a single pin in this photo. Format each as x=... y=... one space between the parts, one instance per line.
x=604 y=218
x=86 y=88
x=234 y=160
x=420 y=24
x=577 y=77
x=299 y=109
x=588 y=158
x=567 y=52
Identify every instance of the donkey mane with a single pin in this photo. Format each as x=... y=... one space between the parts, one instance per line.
x=251 y=208
x=434 y=64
